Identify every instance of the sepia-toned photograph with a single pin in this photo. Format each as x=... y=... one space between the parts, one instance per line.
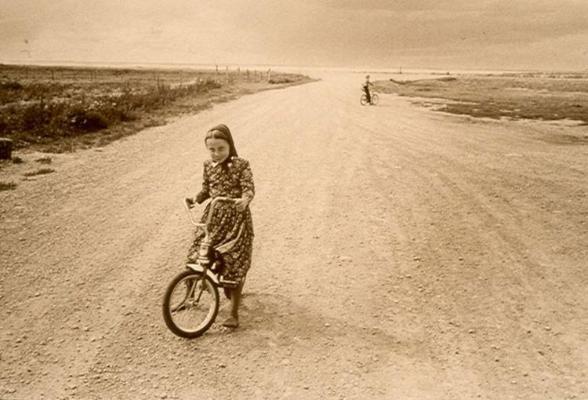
x=294 y=200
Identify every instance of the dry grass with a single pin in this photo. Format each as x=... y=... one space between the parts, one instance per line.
x=7 y=186
x=42 y=171
x=60 y=109
x=515 y=96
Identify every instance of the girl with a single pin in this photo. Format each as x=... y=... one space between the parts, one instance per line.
x=225 y=174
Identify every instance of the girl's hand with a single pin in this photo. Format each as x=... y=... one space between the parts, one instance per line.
x=241 y=204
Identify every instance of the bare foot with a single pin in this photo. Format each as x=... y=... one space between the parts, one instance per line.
x=231 y=322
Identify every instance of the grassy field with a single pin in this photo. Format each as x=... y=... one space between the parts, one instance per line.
x=538 y=96
x=59 y=109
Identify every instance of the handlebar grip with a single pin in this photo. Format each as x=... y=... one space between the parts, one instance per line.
x=189 y=202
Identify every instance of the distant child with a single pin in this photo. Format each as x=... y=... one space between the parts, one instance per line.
x=226 y=174
x=366 y=88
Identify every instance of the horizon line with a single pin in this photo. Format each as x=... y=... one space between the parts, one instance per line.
x=373 y=69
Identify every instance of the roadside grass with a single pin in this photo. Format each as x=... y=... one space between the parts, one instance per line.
x=280 y=80
x=42 y=171
x=36 y=119
x=525 y=96
x=61 y=109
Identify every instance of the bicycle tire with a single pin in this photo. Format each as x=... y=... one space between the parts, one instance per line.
x=375 y=99
x=363 y=100
x=170 y=308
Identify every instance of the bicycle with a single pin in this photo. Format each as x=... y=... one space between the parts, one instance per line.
x=374 y=97
x=191 y=300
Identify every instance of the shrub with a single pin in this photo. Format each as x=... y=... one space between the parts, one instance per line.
x=36 y=116
x=87 y=121
x=10 y=85
x=211 y=84
x=280 y=80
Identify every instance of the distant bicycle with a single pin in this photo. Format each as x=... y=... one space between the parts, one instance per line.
x=364 y=101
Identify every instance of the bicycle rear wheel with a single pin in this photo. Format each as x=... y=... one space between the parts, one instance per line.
x=363 y=100
x=190 y=304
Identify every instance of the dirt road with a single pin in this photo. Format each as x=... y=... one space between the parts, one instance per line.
x=399 y=254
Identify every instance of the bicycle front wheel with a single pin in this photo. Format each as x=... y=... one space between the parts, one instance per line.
x=363 y=100
x=190 y=304
x=375 y=99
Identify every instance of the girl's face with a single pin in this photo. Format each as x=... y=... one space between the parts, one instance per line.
x=218 y=148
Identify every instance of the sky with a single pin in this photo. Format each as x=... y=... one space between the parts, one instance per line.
x=436 y=34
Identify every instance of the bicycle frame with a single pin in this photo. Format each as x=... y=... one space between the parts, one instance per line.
x=203 y=261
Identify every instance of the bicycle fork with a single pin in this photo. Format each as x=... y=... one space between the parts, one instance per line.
x=203 y=261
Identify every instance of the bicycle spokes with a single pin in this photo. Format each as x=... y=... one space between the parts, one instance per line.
x=194 y=289
x=190 y=304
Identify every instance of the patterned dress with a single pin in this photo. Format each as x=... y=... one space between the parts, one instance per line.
x=228 y=228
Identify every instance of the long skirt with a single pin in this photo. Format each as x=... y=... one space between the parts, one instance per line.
x=231 y=233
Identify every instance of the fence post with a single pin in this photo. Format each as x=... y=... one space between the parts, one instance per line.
x=5 y=149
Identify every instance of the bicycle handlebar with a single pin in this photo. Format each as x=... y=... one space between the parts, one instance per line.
x=188 y=204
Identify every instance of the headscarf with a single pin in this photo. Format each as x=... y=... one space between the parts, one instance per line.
x=223 y=132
